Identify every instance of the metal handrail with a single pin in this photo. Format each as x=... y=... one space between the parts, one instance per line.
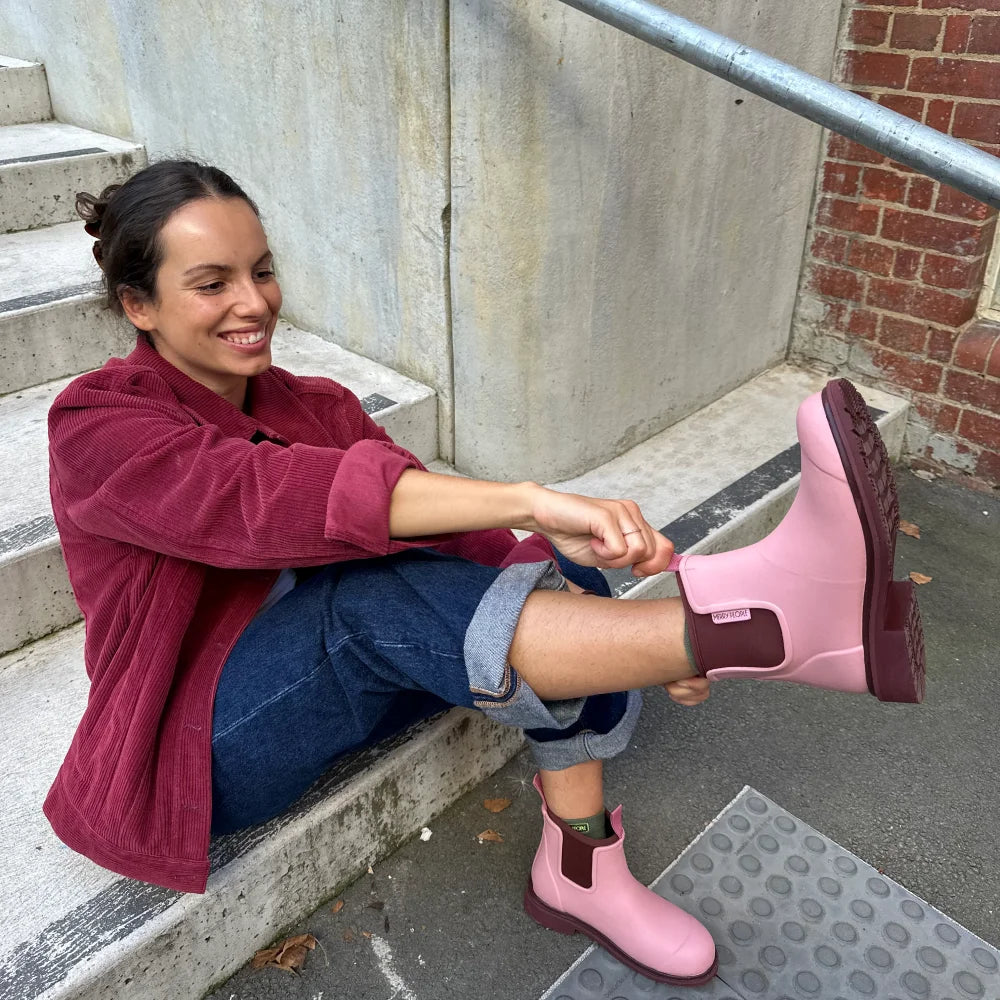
x=925 y=149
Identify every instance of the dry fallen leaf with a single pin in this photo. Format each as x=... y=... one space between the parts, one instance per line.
x=496 y=805
x=491 y=835
x=366 y=934
x=348 y=935
x=376 y=904
x=338 y=906
x=289 y=955
x=909 y=528
x=920 y=578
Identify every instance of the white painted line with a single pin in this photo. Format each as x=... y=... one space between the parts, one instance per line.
x=384 y=955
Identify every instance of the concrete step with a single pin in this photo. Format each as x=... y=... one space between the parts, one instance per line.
x=35 y=596
x=44 y=165
x=52 y=319
x=717 y=480
x=82 y=931
x=24 y=92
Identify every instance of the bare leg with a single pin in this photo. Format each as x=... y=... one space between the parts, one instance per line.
x=570 y=645
x=577 y=791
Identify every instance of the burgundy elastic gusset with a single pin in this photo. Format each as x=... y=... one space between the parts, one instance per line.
x=755 y=643
x=577 y=850
x=692 y=631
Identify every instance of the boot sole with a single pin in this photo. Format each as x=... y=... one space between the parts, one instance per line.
x=893 y=634
x=563 y=923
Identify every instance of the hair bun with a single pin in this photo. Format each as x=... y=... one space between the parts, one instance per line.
x=91 y=208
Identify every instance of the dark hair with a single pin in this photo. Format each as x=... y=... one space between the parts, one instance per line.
x=127 y=220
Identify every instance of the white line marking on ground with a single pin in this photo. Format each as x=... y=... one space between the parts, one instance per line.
x=384 y=955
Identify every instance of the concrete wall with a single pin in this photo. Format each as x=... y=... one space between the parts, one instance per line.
x=333 y=115
x=625 y=238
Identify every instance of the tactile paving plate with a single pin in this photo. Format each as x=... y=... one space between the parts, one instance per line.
x=797 y=917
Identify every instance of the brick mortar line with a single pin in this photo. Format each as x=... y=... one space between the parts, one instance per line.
x=895 y=277
x=862 y=272
x=931 y=324
x=881 y=204
x=888 y=49
x=902 y=206
x=882 y=241
x=910 y=282
x=928 y=11
x=902 y=173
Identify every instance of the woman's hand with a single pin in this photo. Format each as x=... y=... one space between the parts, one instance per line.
x=692 y=691
x=609 y=534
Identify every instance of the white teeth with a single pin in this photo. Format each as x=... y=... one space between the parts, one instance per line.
x=253 y=338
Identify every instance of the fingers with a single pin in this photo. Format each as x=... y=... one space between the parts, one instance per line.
x=692 y=691
x=628 y=538
x=663 y=552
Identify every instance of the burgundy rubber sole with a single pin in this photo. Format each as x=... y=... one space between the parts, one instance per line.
x=893 y=634
x=563 y=923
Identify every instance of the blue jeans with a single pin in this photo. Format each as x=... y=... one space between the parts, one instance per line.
x=360 y=650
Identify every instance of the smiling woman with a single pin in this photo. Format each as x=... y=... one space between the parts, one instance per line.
x=203 y=287
x=269 y=582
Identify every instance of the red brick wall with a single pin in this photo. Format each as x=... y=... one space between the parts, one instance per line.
x=895 y=262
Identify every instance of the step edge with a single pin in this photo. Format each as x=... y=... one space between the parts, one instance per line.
x=455 y=740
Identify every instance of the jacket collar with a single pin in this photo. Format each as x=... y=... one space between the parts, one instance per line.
x=267 y=395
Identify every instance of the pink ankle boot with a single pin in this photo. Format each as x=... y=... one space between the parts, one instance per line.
x=581 y=884
x=814 y=602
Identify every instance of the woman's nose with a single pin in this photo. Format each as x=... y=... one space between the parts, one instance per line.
x=250 y=299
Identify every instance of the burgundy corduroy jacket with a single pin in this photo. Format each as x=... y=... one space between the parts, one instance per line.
x=174 y=525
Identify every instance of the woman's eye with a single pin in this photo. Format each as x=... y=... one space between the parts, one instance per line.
x=213 y=286
x=263 y=275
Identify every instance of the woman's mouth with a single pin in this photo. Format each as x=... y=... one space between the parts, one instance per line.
x=244 y=337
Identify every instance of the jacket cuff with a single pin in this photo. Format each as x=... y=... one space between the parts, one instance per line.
x=357 y=509
x=534 y=548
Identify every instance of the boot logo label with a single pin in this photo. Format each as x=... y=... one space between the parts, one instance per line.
x=725 y=617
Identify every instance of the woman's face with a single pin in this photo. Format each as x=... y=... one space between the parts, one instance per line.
x=217 y=299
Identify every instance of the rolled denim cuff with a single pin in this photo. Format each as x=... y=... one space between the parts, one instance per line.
x=496 y=686
x=556 y=755
x=500 y=692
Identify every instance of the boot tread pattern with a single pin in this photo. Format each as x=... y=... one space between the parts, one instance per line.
x=893 y=635
x=877 y=463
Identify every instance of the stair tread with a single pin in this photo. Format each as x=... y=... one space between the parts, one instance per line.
x=48 y=263
x=53 y=139
x=43 y=689
x=9 y=62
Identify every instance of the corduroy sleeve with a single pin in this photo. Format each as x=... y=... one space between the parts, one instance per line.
x=133 y=467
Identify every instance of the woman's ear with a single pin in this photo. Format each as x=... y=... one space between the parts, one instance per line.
x=138 y=309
